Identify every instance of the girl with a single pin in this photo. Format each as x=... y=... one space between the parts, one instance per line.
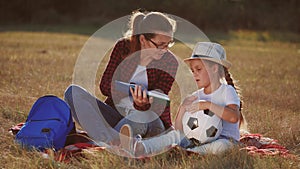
x=209 y=67
x=143 y=58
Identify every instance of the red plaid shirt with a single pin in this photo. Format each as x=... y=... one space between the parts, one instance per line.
x=121 y=66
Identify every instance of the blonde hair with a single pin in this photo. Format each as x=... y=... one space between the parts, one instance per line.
x=224 y=73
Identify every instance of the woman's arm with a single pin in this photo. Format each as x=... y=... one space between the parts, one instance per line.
x=164 y=84
x=161 y=76
x=116 y=57
x=166 y=73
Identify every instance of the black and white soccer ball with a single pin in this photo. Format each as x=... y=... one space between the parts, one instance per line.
x=203 y=125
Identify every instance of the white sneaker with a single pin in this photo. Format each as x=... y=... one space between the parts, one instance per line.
x=133 y=146
x=126 y=138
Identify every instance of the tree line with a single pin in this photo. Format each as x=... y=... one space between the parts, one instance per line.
x=207 y=14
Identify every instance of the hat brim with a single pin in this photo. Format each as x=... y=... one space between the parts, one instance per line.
x=221 y=62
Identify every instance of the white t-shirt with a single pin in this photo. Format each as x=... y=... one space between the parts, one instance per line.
x=139 y=77
x=223 y=96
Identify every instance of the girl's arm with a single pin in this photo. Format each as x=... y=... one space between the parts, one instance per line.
x=181 y=110
x=228 y=113
x=178 y=119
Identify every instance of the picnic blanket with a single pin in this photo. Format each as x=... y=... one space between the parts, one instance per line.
x=77 y=143
x=257 y=144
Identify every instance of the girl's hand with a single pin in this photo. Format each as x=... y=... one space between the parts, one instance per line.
x=200 y=105
x=203 y=105
x=188 y=101
x=194 y=107
x=185 y=106
x=140 y=97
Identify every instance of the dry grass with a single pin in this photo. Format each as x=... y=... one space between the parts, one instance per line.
x=267 y=70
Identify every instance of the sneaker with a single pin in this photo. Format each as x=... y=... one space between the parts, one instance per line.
x=133 y=146
x=139 y=147
x=126 y=138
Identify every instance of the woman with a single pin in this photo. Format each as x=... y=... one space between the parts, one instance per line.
x=142 y=58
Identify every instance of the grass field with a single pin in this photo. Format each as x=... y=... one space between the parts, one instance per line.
x=266 y=66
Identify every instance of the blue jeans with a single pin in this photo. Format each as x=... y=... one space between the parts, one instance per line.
x=145 y=123
x=215 y=147
x=99 y=119
x=162 y=143
x=76 y=94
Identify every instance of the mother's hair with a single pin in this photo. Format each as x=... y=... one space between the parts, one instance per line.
x=148 y=23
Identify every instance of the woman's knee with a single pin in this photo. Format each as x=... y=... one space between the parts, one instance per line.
x=155 y=128
x=137 y=128
x=73 y=90
x=142 y=116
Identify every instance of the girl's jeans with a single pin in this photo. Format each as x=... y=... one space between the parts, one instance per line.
x=162 y=143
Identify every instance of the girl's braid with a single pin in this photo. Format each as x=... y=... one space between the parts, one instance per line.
x=230 y=81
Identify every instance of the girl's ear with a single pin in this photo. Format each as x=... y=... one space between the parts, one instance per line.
x=215 y=68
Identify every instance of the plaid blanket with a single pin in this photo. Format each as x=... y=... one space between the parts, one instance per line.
x=256 y=144
x=77 y=143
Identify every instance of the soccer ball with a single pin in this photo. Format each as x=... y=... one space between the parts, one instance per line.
x=203 y=125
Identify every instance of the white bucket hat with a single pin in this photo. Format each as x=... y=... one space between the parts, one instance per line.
x=209 y=51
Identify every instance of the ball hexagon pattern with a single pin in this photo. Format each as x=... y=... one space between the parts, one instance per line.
x=203 y=125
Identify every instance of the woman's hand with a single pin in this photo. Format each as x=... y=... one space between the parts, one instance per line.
x=140 y=97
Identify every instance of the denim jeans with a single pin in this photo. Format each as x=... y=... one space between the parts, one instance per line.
x=102 y=122
x=215 y=147
x=94 y=116
x=146 y=123
x=162 y=143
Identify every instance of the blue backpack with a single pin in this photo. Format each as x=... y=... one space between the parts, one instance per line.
x=48 y=124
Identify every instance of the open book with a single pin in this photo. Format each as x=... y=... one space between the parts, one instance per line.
x=124 y=87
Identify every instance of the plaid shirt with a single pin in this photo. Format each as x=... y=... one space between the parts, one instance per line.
x=121 y=66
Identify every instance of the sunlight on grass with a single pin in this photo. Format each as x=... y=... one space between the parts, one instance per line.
x=266 y=66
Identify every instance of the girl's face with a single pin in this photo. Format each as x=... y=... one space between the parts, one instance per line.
x=201 y=73
x=157 y=46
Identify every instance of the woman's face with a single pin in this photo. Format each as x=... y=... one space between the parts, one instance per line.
x=158 y=45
